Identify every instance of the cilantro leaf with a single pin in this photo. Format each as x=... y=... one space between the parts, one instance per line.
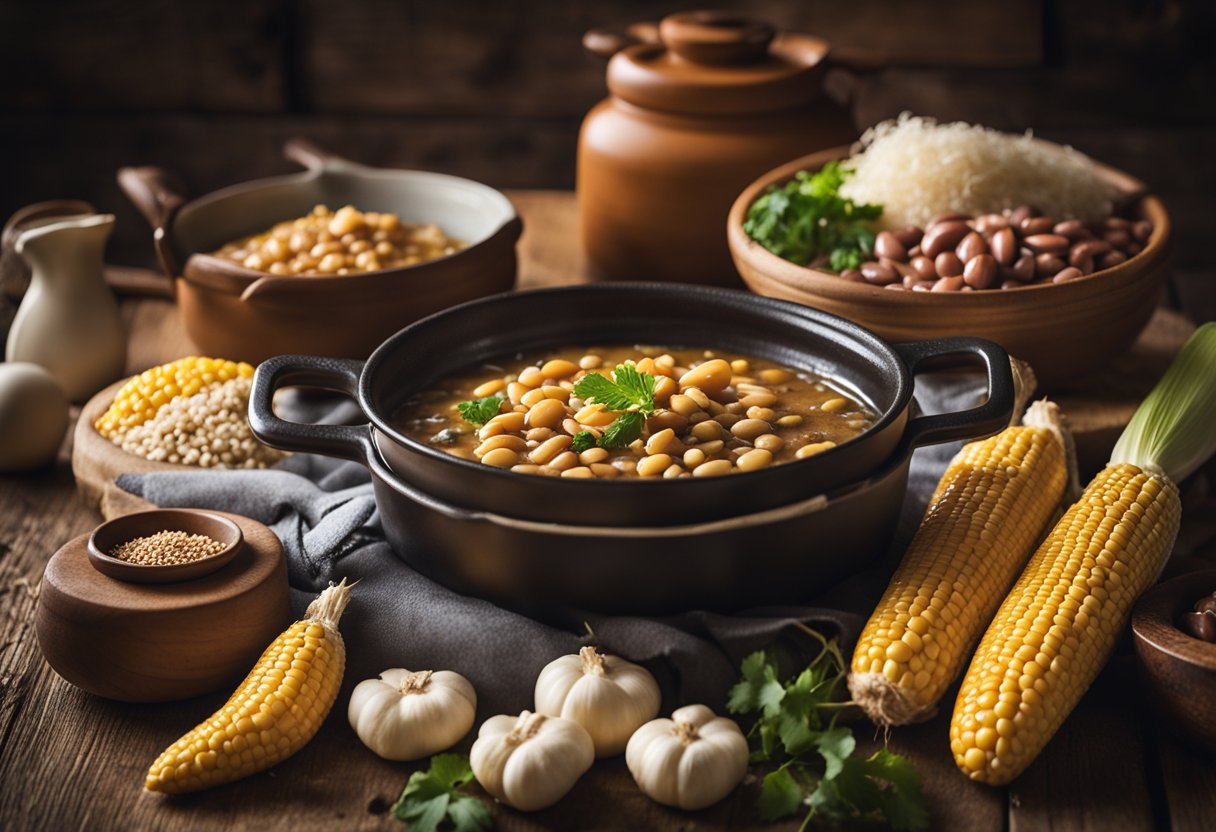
x=780 y=795
x=627 y=389
x=451 y=770
x=759 y=690
x=639 y=387
x=468 y=814
x=806 y=219
x=835 y=745
x=903 y=803
x=480 y=411
x=432 y=798
x=626 y=429
x=603 y=390
x=796 y=729
x=584 y=440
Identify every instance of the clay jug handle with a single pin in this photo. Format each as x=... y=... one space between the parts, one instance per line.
x=158 y=196
x=603 y=43
x=312 y=156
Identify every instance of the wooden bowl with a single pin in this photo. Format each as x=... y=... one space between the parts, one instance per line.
x=1180 y=669
x=162 y=642
x=1062 y=330
x=114 y=533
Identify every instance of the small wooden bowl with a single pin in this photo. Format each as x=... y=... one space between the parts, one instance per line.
x=109 y=535
x=1180 y=669
x=1061 y=330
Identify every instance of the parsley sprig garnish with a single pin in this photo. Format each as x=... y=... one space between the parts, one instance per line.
x=433 y=799
x=628 y=391
x=796 y=729
x=480 y=411
x=807 y=220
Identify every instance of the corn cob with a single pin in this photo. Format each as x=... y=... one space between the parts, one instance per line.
x=140 y=398
x=991 y=506
x=1061 y=621
x=275 y=711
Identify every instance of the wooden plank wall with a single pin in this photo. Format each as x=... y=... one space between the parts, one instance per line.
x=495 y=91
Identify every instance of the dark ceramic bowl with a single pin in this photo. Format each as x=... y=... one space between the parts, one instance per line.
x=540 y=545
x=423 y=354
x=1179 y=668
x=242 y=314
x=109 y=535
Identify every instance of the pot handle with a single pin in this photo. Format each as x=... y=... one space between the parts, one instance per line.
x=158 y=196
x=338 y=374
x=945 y=353
x=310 y=155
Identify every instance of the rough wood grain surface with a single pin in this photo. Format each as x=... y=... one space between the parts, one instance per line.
x=72 y=761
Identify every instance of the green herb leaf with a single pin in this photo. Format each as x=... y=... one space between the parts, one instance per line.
x=627 y=389
x=903 y=803
x=468 y=814
x=759 y=689
x=603 y=390
x=584 y=440
x=480 y=411
x=780 y=795
x=638 y=387
x=795 y=729
x=806 y=219
x=432 y=798
x=835 y=745
x=626 y=429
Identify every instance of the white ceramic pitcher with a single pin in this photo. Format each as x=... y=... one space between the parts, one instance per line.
x=69 y=321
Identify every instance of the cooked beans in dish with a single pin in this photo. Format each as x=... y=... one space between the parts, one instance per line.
x=348 y=241
x=654 y=412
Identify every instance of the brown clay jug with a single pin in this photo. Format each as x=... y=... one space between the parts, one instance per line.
x=699 y=106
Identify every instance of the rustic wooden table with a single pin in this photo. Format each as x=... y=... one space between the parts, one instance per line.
x=69 y=760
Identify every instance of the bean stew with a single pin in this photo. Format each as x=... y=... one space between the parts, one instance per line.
x=342 y=242
x=652 y=412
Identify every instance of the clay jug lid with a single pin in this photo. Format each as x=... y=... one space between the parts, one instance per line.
x=718 y=63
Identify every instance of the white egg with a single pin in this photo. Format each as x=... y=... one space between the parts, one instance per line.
x=33 y=416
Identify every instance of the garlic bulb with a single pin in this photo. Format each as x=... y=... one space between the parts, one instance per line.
x=532 y=761
x=690 y=761
x=408 y=716
x=607 y=695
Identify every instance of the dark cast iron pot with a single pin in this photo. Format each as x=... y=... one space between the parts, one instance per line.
x=635 y=545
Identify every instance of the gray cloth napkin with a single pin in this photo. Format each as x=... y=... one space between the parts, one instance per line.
x=324 y=513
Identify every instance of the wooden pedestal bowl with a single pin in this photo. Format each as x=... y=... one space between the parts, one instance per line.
x=159 y=643
x=1180 y=670
x=1061 y=330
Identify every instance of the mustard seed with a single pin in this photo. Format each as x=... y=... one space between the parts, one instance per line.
x=168 y=548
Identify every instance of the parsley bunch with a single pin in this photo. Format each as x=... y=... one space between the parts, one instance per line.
x=629 y=391
x=796 y=729
x=807 y=220
x=433 y=798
